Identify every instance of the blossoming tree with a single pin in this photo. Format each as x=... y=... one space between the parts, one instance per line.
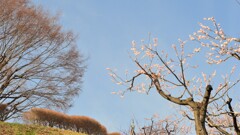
x=186 y=78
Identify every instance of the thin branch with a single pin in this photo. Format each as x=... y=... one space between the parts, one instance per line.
x=238 y=2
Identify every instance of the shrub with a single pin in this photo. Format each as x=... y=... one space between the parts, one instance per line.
x=46 y=117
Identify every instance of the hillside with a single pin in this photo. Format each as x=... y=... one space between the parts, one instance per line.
x=21 y=129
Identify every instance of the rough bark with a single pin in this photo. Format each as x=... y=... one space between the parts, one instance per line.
x=234 y=117
x=199 y=123
x=199 y=108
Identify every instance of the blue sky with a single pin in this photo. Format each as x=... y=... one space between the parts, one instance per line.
x=106 y=29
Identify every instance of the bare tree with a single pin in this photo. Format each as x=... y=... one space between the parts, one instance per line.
x=179 y=79
x=171 y=125
x=165 y=127
x=39 y=62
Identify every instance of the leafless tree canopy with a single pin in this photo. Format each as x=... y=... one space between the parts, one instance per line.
x=39 y=61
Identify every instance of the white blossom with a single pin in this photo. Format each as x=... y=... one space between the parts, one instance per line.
x=197 y=49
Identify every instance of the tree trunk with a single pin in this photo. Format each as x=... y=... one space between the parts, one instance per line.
x=199 y=123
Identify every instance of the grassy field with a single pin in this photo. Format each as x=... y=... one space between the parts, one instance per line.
x=21 y=129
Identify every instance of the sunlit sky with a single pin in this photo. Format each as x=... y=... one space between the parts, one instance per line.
x=106 y=29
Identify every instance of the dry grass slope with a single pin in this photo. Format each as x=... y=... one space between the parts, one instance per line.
x=21 y=129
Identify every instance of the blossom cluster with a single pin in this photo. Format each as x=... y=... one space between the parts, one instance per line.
x=221 y=46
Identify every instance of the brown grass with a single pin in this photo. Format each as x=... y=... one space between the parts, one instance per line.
x=21 y=129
